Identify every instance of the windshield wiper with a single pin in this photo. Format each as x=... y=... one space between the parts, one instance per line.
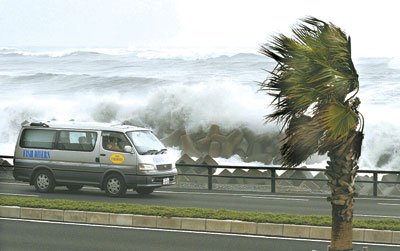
x=152 y=151
x=164 y=150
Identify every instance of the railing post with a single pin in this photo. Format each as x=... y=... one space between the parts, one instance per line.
x=273 y=175
x=210 y=178
x=375 y=185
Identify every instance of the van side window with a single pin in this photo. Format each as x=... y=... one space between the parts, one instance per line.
x=114 y=141
x=77 y=141
x=38 y=138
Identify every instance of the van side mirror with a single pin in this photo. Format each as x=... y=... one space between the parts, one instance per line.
x=128 y=149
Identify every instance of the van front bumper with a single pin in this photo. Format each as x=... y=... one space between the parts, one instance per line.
x=150 y=180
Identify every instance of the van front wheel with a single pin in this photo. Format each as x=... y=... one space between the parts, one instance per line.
x=115 y=185
x=44 y=181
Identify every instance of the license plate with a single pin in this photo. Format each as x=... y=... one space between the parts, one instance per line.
x=165 y=181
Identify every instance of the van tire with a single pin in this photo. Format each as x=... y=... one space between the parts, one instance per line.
x=115 y=185
x=73 y=187
x=144 y=190
x=44 y=181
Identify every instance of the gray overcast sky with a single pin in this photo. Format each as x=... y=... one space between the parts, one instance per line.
x=187 y=23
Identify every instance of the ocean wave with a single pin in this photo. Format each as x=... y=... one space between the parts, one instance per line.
x=65 y=82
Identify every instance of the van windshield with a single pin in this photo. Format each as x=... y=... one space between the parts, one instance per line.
x=146 y=143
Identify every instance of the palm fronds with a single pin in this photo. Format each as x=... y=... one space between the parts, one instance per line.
x=313 y=85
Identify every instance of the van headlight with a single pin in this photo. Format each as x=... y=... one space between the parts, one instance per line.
x=147 y=167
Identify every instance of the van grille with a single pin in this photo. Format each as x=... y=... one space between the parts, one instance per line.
x=164 y=167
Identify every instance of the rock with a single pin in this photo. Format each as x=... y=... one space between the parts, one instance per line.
x=224 y=180
x=232 y=141
x=283 y=186
x=174 y=139
x=188 y=147
x=368 y=189
x=391 y=191
x=208 y=160
x=215 y=149
x=241 y=153
x=258 y=173
x=300 y=175
x=5 y=165
x=322 y=184
x=239 y=172
x=310 y=186
x=6 y=170
x=205 y=160
x=383 y=159
x=194 y=179
x=214 y=130
x=390 y=178
x=262 y=157
x=185 y=159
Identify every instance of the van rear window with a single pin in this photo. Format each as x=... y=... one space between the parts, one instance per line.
x=67 y=140
x=44 y=139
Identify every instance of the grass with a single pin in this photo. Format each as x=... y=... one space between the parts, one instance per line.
x=222 y=214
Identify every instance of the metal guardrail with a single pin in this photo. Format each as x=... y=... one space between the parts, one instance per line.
x=273 y=177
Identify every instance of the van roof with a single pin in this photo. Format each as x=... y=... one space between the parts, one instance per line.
x=84 y=126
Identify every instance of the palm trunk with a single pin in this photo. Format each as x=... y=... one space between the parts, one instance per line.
x=341 y=171
x=342 y=231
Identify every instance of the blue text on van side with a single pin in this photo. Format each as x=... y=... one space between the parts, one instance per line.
x=36 y=154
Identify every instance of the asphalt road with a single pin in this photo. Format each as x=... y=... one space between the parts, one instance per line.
x=241 y=201
x=40 y=235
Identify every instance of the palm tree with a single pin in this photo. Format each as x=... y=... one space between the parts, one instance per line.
x=314 y=86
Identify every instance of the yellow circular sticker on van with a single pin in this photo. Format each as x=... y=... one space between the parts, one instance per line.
x=117 y=158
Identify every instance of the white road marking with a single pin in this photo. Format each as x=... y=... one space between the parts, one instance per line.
x=273 y=198
x=388 y=204
x=17 y=184
x=376 y=216
x=193 y=232
x=18 y=194
x=242 y=194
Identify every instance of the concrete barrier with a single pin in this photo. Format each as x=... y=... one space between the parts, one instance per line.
x=10 y=211
x=242 y=227
x=121 y=219
x=171 y=223
x=323 y=233
x=194 y=224
x=296 y=231
x=74 y=216
x=270 y=229
x=53 y=214
x=379 y=236
x=144 y=221
x=396 y=237
x=358 y=234
x=98 y=218
x=224 y=226
x=31 y=213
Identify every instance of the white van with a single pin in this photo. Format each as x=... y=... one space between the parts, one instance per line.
x=111 y=157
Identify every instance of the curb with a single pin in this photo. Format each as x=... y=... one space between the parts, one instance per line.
x=196 y=224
